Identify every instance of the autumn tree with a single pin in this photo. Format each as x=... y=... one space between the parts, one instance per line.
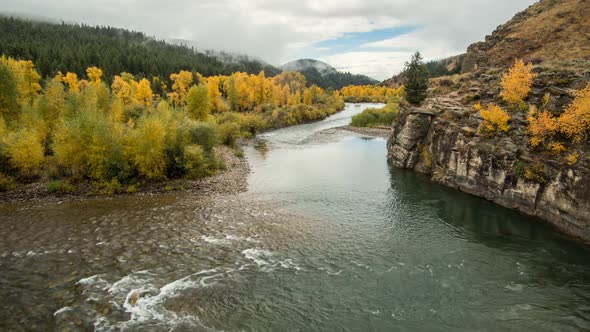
x=197 y=102
x=25 y=150
x=232 y=94
x=574 y=123
x=26 y=78
x=517 y=83
x=143 y=93
x=8 y=94
x=495 y=119
x=542 y=125
x=122 y=89
x=94 y=74
x=72 y=81
x=182 y=83
x=416 y=80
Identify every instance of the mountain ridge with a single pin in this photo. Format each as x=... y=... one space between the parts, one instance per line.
x=325 y=76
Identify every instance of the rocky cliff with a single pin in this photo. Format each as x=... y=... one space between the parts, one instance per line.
x=441 y=138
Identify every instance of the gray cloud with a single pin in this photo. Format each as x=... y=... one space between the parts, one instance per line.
x=280 y=30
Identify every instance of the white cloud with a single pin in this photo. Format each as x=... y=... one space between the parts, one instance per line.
x=280 y=30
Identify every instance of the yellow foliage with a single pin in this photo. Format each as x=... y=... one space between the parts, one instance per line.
x=27 y=79
x=535 y=173
x=94 y=74
x=517 y=83
x=370 y=93
x=102 y=135
x=122 y=89
x=147 y=148
x=556 y=148
x=72 y=80
x=572 y=158
x=116 y=110
x=495 y=119
x=143 y=93
x=575 y=121
x=182 y=83
x=542 y=125
x=25 y=151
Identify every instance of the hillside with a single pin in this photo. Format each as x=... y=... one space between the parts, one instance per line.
x=71 y=47
x=550 y=31
x=533 y=164
x=436 y=68
x=325 y=76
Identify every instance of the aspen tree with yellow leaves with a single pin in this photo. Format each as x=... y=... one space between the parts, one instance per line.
x=517 y=83
x=110 y=137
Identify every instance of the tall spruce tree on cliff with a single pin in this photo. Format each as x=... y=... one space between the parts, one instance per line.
x=416 y=80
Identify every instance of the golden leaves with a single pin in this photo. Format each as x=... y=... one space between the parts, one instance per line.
x=495 y=119
x=517 y=83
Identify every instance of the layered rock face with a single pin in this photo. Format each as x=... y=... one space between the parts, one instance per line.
x=441 y=139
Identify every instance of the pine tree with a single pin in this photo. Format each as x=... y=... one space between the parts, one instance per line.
x=416 y=80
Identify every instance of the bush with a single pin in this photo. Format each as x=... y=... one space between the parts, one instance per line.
x=62 y=187
x=146 y=148
x=206 y=134
x=195 y=162
x=495 y=119
x=25 y=151
x=574 y=123
x=109 y=188
x=90 y=146
x=517 y=83
x=7 y=182
x=541 y=126
x=372 y=117
x=229 y=133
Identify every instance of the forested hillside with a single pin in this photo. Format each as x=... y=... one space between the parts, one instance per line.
x=73 y=48
x=325 y=76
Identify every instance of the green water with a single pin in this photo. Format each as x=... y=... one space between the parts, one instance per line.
x=328 y=237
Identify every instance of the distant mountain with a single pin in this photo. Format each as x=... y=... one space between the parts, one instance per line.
x=304 y=64
x=74 y=47
x=230 y=58
x=325 y=76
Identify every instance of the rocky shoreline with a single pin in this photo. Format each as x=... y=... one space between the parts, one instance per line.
x=380 y=131
x=232 y=180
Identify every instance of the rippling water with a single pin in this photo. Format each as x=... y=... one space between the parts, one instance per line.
x=328 y=238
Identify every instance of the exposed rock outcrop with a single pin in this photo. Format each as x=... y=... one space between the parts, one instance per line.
x=441 y=139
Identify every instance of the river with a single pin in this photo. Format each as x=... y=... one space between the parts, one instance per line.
x=328 y=237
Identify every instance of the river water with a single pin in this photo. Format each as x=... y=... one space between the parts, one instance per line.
x=327 y=238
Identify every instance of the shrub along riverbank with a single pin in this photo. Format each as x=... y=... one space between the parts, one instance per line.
x=373 y=117
x=70 y=133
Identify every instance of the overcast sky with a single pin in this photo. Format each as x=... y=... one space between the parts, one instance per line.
x=372 y=37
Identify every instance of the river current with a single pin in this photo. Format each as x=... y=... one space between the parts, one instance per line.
x=328 y=237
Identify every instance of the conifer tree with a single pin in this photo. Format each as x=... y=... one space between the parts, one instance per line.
x=416 y=80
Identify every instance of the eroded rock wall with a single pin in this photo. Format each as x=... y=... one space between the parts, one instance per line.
x=441 y=139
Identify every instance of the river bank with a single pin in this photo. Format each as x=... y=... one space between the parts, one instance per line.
x=381 y=131
x=327 y=237
x=231 y=180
